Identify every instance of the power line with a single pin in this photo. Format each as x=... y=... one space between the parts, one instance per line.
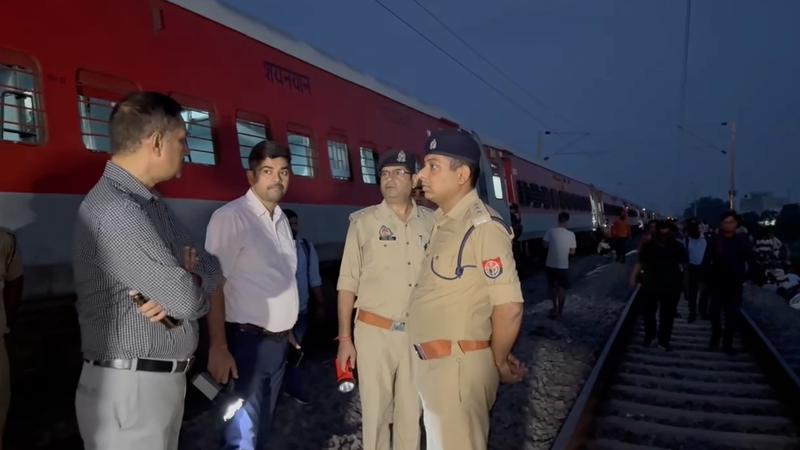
x=492 y=64
x=701 y=139
x=464 y=66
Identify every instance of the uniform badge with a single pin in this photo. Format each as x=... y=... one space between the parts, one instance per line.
x=385 y=234
x=432 y=145
x=401 y=157
x=493 y=268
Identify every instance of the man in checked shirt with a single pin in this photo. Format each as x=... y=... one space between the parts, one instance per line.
x=131 y=390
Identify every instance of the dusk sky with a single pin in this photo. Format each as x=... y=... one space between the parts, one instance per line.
x=610 y=68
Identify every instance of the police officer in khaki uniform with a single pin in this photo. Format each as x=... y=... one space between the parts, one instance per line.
x=10 y=297
x=384 y=248
x=466 y=310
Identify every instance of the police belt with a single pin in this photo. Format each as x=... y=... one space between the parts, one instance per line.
x=144 y=364
x=442 y=348
x=380 y=321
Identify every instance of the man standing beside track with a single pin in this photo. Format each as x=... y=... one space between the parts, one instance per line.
x=11 y=281
x=384 y=247
x=466 y=309
x=560 y=243
x=131 y=390
x=662 y=264
x=729 y=257
x=250 y=328
x=620 y=233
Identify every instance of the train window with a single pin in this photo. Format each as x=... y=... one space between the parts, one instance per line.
x=97 y=95
x=21 y=114
x=368 y=165
x=340 y=163
x=95 y=116
x=497 y=184
x=249 y=133
x=198 y=136
x=302 y=155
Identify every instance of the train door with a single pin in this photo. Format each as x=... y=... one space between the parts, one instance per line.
x=492 y=186
x=598 y=215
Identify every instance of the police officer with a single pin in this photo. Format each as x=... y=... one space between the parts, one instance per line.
x=384 y=248
x=466 y=309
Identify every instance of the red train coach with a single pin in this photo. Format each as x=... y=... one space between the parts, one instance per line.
x=64 y=64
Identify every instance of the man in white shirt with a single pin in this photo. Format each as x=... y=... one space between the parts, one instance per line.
x=250 y=329
x=560 y=243
x=696 y=244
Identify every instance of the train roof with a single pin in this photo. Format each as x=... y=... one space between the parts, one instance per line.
x=262 y=32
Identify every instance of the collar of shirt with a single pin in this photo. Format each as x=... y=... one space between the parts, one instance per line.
x=128 y=182
x=258 y=208
x=459 y=209
x=387 y=212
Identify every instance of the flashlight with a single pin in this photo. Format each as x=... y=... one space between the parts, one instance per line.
x=345 y=380
x=211 y=389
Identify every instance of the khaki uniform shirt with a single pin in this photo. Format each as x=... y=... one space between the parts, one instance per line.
x=382 y=257
x=10 y=269
x=446 y=306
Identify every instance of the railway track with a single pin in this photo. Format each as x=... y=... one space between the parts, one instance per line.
x=643 y=398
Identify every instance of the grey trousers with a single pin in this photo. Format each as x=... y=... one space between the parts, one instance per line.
x=129 y=410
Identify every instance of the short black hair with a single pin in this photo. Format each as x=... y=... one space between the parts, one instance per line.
x=730 y=213
x=267 y=150
x=563 y=217
x=665 y=224
x=139 y=115
x=474 y=169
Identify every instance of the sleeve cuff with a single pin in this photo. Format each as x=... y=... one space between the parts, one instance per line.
x=500 y=294
x=347 y=284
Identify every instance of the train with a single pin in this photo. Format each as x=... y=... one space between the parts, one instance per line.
x=63 y=65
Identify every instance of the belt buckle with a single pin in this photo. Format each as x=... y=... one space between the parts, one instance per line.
x=398 y=326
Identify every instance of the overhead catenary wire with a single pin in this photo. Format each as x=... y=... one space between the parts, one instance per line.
x=491 y=64
x=483 y=80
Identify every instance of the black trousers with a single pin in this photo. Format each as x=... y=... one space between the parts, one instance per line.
x=726 y=303
x=697 y=287
x=665 y=302
x=619 y=247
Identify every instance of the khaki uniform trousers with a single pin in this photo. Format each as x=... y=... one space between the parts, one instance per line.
x=457 y=394
x=387 y=391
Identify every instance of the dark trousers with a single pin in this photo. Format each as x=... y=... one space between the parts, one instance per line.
x=665 y=301
x=293 y=382
x=261 y=361
x=697 y=288
x=619 y=247
x=726 y=302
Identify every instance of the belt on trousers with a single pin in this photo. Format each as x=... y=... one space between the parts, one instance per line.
x=441 y=348
x=260 y=331
x=380 y=321
x=144 y=364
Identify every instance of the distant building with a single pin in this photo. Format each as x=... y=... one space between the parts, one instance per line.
x=759 y=202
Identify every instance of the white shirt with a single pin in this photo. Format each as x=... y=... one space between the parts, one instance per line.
x=696 y=249
x=258 y=258
x=559 y=243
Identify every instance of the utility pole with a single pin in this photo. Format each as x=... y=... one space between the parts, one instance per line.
x=732 y=152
